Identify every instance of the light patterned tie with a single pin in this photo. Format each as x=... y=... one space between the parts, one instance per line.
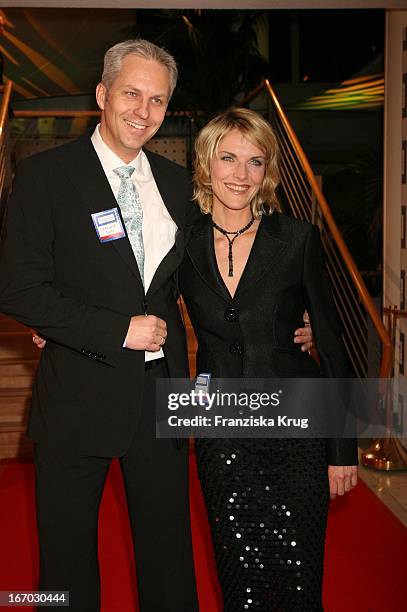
x=129 y=201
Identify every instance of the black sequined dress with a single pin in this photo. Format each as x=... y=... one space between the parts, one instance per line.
x=267 y=504
x=267 y=500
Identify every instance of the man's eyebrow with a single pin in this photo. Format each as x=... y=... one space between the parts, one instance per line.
x=157 y=95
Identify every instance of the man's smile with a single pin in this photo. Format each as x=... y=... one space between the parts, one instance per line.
x=134 y=125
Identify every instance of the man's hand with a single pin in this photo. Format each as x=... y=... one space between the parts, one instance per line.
x=146 y=333
x=303 y=335
x=342 y=478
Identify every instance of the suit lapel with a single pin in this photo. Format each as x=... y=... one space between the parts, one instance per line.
x=86 y=173
x=176 y=207
x=168 y=265
x=265 y=256
x=201 y=250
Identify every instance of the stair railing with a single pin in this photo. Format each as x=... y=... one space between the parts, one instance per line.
x=303 y=195
x=5 y=159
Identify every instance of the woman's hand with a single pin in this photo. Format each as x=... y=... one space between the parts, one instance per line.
x=342 y=478
x=303 y=335
x=38 y=341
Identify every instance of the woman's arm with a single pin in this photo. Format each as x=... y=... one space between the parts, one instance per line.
x=342 y=455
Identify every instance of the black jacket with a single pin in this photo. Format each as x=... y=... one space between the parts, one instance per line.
x=251 y=335
x=57 y=277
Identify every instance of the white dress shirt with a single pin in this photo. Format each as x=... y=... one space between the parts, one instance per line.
x=158 y=226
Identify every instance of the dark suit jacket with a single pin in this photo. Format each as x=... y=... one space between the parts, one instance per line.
x=251 y=335
x=56 y=277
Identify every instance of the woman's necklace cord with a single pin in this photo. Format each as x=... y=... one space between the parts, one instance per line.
x=231 y=240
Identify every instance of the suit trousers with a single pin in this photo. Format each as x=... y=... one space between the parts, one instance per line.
x=69 y=489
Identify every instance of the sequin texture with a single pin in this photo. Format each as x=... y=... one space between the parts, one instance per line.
x=267 y=503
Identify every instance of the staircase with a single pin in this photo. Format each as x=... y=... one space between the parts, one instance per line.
x=18 y=361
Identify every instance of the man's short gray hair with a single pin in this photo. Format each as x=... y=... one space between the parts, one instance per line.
x=142 y=48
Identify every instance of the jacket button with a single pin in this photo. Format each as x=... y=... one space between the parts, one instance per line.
x=231 y=315
x=236 y=349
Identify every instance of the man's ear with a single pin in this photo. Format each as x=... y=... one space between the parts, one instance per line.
x=101 y=95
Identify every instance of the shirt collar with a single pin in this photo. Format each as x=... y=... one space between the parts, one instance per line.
x=110 y=160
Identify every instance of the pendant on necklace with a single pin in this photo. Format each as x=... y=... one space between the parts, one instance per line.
x=231 y=240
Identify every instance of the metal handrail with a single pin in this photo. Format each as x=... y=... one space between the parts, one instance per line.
x=345 y=257
x=4 y=107
x=65 y=113
x=5 y=160
x=31 y=114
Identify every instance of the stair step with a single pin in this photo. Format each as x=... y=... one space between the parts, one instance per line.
x=14 y=392
x=10 y=426
x=17 y=374
x=17 y=345
x=11 y=364
x=14 y=408
x=18 y=362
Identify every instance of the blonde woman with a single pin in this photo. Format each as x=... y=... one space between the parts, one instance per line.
x=247 y=277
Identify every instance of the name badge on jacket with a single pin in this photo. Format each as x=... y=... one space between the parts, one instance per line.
x=108 y=225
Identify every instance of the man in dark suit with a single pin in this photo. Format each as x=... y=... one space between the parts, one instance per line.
x=94 y=236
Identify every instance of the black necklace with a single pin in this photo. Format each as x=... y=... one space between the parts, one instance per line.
x=231 y=240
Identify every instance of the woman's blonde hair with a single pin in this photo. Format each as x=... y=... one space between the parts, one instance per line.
x=260 y=133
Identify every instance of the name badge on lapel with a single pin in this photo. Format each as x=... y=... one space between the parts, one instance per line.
x=108 y=225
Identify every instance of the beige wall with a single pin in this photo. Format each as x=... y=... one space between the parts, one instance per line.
x=395 y=178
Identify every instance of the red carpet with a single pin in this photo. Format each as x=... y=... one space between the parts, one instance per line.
x=365 y=564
